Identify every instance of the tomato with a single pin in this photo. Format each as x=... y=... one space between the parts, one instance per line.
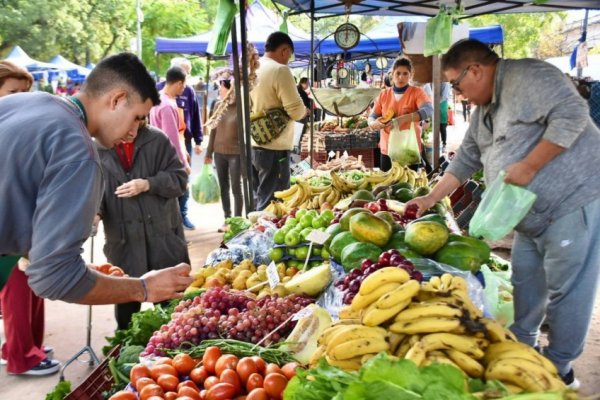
x=261 y=365
x=155 y=398
x=245 y=367
x=272 y=368
x=221 y=391
x=103 y=268
x=183 y=363
x=171 y=395
x=151 y=390
x=258 y=394
x=188 y=391
x=203 y=394
x=210 y=382
x=210 y=357
x=123 y=395
x=185 y=398
x=138 y=371
x=199 y=375
x=227 y=361
x=143 y=382
x=231 y=377
x=254 y=381
x=162 y=369
x=163 y=360
x=275 y=384
x=168 y=382
x=188 y=384
x=289 y=369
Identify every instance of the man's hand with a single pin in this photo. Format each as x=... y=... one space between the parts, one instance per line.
x=207 y=160
x=197 y=149
x=422 y=203
x=133 y=188
x=168 y=283
x=519 y=173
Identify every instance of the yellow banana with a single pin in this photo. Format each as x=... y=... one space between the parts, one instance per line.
x=353 y=333
x=446 y=280
x=517 y=350
x=496 y=332
x=459 y=283
x=363 y=301
x=328 y=333
x=425 y=325
x=466 y=344
x=405 y=292
x=422 y=310
x=347 y=312
x=352 y=364
x=374 y=316
x=473 y=368
x=383 y=276
x=314 y=359
x=405 y=345
x=440 y=359
x=467 y=304
x=285 y=194
x=358 y=347
x=394 y=339
x=523 y=373
x=416 y=353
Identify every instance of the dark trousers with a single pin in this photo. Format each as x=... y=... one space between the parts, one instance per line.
x=183 y=203
x=229 y=175
x=466 y=109
x=385 y=162
x=443 y=133
x=124 y=311
x=271 y=173
x=188 y=148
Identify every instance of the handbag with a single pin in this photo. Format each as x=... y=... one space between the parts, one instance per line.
x=268 y=125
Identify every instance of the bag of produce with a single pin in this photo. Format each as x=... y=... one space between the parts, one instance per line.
x=498 y=295
x=205 y=188
x=402 y=145
x=502 y=207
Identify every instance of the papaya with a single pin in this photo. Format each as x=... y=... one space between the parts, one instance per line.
x=384 y=194
x=422 y=191
x=410 y=254
x=432 y=217
x=338 y=243
x=367 y=227
x=345 y=219
x=396 y=241
x=363 y=195
x=400 y=185
x=387 y=217
x=483 y=250
x=459 y=255
x=354 y=254
x=333 y=230
x=403 y=195
x=426 y=237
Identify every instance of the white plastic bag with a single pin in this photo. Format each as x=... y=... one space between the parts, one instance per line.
x=402 y=145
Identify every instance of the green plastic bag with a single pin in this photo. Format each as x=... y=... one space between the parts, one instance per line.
x=502 y=207
x=438 y=34
x=205 y=188
x=498 y=295
x=402 y=145
x=221 y=27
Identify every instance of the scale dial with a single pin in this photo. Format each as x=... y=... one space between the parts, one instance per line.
x=343 y=73
x=367 y=67
x=346 y=36
x=381 y=62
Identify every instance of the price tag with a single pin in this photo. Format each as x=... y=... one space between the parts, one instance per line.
x=317 y=236
x=305 y=312
x=331 y=154
x=272 y=275
x=345 y=155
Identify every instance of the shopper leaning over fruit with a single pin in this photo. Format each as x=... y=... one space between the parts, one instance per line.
x=52 y=183
x=532 y=123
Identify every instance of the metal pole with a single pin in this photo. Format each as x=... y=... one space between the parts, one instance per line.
x=435 y=88
x=583 y=31
x=311 y=74
x=140 y=18
x=206 y=87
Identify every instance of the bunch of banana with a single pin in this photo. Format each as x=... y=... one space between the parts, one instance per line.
x=296 y=195
x=451 y=290
x=421 y=179
x=342 y=185
x=277 y=208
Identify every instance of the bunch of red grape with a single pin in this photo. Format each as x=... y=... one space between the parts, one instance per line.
x=350 y=284
x=220 y=313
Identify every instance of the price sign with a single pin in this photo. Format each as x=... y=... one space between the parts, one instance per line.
x=305 y=312
x=345 y=155
x=272 y=275
x=317 y=236
x=331 y=154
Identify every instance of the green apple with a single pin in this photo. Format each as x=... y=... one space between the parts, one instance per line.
x=306 y=220
x=276 y=253
x=279 y=236
x=292 y=238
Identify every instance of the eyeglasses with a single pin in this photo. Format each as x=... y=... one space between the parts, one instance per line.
x=226 y=83
x=455 y=83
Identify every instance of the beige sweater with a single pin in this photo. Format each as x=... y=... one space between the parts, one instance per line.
x=276 y=88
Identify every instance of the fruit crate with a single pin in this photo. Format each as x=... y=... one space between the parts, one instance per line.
x=368 y=156
x=368 y=140
x=318 y=156
x=338 y=141
x=100 y=380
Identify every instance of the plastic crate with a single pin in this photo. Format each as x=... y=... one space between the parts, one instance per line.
x=338 y=141
x=100 y=380
x=365 y=141
x=318 y=156
x=367 y=155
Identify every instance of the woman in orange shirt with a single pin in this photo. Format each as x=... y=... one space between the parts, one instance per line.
x=407 y=103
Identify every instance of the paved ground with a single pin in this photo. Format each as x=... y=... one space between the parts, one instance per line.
x=66 y=323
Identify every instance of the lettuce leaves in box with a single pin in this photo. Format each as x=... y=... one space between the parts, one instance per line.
x=324 y=382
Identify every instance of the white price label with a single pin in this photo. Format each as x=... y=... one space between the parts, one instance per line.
x=272 y=275
x=331 y=154
x=345 y=155
x=317 y=236
x=305 y=312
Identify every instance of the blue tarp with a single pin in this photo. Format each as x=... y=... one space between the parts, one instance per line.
x=18 y=56
x=73 y=70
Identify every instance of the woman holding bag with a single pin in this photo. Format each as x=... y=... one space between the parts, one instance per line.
x=403 y=103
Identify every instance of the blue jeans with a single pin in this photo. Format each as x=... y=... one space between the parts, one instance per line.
x=183 y=200
x=556 y=275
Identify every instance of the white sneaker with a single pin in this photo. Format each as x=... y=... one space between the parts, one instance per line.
x=46 y=367
x=570 y=380
x=49 y=351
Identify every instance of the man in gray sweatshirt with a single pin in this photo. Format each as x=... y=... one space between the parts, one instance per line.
x=51 y=183
x=532 y=123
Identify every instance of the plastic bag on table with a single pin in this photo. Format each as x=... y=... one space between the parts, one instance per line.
x=332 y=298
x=431 y=268
x=403 y=146
x=502 y=207
x=205 y=188
x=235 y=253
x=258 y=240
x=498 y=295
x=438 y=34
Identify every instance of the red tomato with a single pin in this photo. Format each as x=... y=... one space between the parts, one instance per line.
x=185 y=398
x=199 y=375
x=254 y=381
x=231 y=377
x=261 y=365
x=258 y=394
x=162 y=369
x=226 y=361
x=123 y=395
x=143 y=382
x=210 y=382
x=289 y=369
x=170 y=395
x=151 y=390
x=188 y=384
x=245 y=367
x=203 y=394
x=156 y=398
x=168 y=382
x=188 y=391
x=275 y=384
x=272 y=368
x=221 y=391
x=138 y=371
x=183 y=363
x=210 y=357
x=103 y=268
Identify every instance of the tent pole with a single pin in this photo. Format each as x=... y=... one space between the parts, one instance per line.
x=311 y=74
x=583 y=32
x=205 y=96
x=435 y=88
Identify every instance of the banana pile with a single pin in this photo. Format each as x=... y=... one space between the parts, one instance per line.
x=304 y=195
x=277 y=208
x=432 y=322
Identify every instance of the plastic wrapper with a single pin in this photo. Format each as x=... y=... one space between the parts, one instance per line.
x=256 y=242
x=332 y=298
x=498 y=295
x=235 y=253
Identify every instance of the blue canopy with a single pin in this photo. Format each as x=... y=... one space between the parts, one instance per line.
x=18 y=56
x=73 y=70
x=488 y=34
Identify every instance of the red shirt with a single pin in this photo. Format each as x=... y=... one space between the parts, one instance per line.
x=125 y=154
